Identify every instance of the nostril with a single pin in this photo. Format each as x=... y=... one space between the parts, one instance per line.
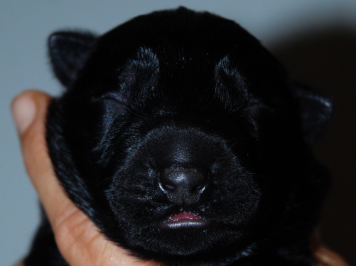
x=169 y=187
x=199 y=187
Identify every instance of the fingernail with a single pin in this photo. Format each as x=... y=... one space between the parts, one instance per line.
x=23 y=111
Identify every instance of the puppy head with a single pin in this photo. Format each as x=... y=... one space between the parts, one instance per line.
x=180 y=135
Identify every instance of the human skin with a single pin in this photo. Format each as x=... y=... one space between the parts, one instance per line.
x=78 y=239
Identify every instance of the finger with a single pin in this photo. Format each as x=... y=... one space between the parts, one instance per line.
x=29 y=110
x=77 y=237
x=326 y=257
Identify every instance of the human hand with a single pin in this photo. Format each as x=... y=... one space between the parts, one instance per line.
x=326 y=257
x=78 y=239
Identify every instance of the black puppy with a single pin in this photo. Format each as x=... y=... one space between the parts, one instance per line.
x=185 y=142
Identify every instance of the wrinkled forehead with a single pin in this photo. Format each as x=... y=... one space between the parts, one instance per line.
x=183 y=59
x=203 y=37
x=150 y=71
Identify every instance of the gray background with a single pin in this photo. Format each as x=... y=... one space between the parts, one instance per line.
x=315 y=39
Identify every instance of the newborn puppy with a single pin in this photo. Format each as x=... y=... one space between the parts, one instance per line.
x=185 y=141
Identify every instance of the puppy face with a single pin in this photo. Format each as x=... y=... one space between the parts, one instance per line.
x=182 y=138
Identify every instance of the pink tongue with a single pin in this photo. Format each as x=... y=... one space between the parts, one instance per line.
x=184 y=215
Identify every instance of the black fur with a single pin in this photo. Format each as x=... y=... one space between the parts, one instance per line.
x=179 y=95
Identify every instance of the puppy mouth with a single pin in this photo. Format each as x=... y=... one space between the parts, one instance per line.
x=184 y=220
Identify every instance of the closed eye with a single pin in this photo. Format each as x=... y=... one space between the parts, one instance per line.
x=114 y=96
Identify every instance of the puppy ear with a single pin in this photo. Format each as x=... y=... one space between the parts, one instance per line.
x=315 y=110
x=68 y=51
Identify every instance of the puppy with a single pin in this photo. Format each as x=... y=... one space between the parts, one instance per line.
x=186 y=142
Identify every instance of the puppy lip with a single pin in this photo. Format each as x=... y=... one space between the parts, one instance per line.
x=184 y=216
x=185 y=220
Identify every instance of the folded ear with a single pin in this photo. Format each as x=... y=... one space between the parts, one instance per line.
x=315 y=110
x=68 y=51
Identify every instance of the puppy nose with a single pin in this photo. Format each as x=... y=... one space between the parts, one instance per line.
x=183 y=185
